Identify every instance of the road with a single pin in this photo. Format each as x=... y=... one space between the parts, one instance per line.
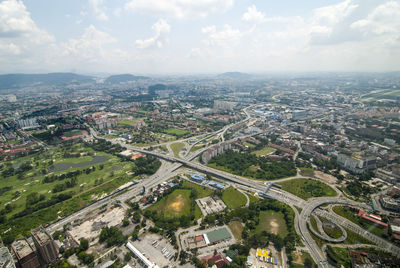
x=168 y=170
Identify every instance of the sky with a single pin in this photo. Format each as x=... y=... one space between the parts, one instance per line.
x=199 y=36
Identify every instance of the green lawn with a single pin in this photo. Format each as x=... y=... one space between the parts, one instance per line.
x=177 y=147
x=202 y=191
x=307 y=172
x=75 y=132
x=314 y=224
x=236 y=228
x=128 y=122
x=252 y=198
x=233 y=198
x=272 y=222
x=307 y=188
x=174 y=205
x=264 y=151
x=176 y=132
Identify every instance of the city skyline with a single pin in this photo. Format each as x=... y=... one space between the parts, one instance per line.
x=207 y=36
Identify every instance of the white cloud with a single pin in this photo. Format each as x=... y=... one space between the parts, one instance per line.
x=15 y=21
x=253 y=15
x=179 y=8
x=384 y=19
x=90 y=46
x=227 y=37
x=97 y=7
x=161 y=30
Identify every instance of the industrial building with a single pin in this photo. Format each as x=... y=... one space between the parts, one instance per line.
x=25 y=254
x=45 y=245
x=141 y=257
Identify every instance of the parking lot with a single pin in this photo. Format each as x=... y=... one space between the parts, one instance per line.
x=157 y=249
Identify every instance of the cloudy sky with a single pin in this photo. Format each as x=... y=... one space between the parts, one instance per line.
x=199 y=36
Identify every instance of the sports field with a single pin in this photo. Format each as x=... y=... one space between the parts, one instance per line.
x=264 y=151
x=272 y=222
x=174 y=205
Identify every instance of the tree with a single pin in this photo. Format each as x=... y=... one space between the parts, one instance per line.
x=83 y=245
x=307 y=263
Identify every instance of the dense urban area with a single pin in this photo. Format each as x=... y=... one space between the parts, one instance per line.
x=228 y=170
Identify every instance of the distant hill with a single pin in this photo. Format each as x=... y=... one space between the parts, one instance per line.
x=8 y=81
x=122 y=78
x=234 y=75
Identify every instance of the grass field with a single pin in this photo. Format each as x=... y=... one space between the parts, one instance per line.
x=202 y=191
x=313 y=222
x=307 y=188
x=307 y=172
x=174 y=205
x=272 y=222
x=75 y=132
x=252 y=198
x=128 y=122
x=176 y=132
x=264 y=151
x=233 y=198
x=177 y=147
x=236 y=228
x=88 y=188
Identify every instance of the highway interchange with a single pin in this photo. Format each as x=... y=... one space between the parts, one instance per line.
x=169 y=169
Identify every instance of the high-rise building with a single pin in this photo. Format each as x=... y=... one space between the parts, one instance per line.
x=45 y=245
x=6 y=260
x=25 y=254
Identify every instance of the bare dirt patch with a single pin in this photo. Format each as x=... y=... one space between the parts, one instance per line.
x=274 y=226
x=325 y=177
x=178 y=204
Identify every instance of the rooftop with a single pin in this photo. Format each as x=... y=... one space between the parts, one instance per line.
x=21 y=248
x=41 y=236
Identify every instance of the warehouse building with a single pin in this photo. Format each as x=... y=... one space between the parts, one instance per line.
x=146 y=262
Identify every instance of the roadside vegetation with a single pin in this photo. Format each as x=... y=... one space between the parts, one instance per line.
x=249 y=165
x=307 y=188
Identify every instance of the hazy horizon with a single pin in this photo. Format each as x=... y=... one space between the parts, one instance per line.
x=178 y=37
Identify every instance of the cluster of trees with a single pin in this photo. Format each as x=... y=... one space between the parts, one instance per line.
x=105 y=146
x=11 y=171
x=357 y=188
x=245 y=164
x=80 y=252
x=5 y=189
x=70 y=174
x=35 y=202
x=146 y=165
x=112 y=236
x=63 y=186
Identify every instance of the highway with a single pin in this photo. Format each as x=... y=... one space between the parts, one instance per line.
x=169 y=169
